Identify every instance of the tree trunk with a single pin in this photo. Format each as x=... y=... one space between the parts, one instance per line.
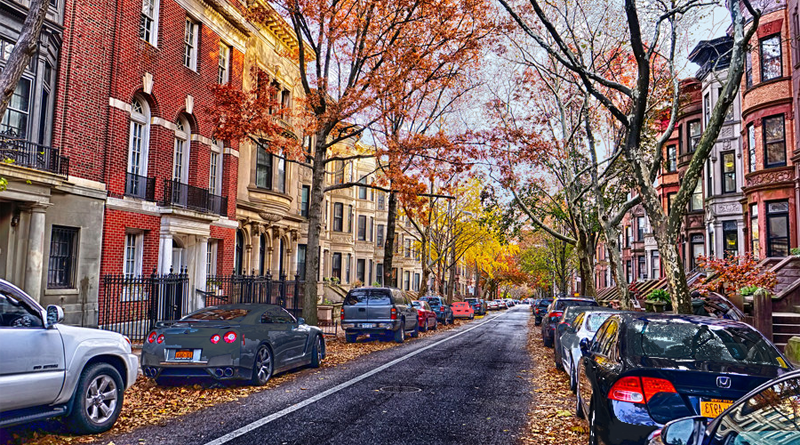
x=617 y=268
x=388 y=249
x=23 y=51
x=426 y=269
x=675 y=275
x=315 y=217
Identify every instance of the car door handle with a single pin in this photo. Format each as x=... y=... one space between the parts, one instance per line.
x=361 y=309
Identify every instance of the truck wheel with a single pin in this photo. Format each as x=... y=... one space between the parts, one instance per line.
x=424 y=327
x=97 y=400
x=400 y=334
x=415 y=332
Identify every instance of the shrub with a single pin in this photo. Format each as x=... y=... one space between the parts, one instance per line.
x=748 y=290
x=659 y=295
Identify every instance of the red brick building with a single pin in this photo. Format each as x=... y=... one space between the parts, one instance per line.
x=770 y=196
x=130 y=112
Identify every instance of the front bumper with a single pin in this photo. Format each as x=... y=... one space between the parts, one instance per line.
x=132 y=369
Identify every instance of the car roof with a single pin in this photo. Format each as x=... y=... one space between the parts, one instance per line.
x=574 y=299
x=694 y=319
x=572 y=309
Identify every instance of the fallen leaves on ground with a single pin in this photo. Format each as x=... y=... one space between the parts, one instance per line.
x=551 y=417
x=148 y=404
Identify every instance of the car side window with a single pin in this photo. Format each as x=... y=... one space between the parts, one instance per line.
x=609 y=346
x=599 y=339
x=14 y=313
x=277 y=315
x=576 y=325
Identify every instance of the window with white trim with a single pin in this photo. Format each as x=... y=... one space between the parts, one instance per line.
x=180 y=160
x=211 y=258
x=133 y=254
x=15 y=119
x=139 y=140
x=223 y=69
x=215 y=168
x=148 y=24
x=190 y=44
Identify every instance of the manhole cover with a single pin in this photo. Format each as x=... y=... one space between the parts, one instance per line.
x=400 y=389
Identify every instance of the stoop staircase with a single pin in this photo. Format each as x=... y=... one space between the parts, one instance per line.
x=786 y=302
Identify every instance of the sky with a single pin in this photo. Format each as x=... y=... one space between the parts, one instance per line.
x=712 y=25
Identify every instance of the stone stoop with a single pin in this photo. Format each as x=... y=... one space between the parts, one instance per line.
x=785 y=325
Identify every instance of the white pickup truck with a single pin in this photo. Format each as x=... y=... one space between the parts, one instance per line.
x=52 y=370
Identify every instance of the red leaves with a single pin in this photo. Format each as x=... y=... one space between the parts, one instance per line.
x=729 y=275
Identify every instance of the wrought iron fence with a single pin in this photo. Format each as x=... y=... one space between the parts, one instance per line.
x=232 y=289
x=131 y=305
x=140 y=187
x=31 y=155
x=194 y=198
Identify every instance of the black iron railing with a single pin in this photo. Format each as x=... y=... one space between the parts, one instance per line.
x=132 y=304
x=140 y=187
x=190 y=197
x=31 y=155
x=228 y=289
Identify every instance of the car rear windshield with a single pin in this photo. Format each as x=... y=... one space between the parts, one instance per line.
x=431 y=301
x=568 y=303
x=367 y=297
x=683 y=340
x=594 y=321
x=471 y=300
x=216 y=314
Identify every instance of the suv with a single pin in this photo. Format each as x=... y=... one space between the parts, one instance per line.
x=443 y=311
x=378 y=311
x=51 y=370
x=554 y=313
x=478 y=305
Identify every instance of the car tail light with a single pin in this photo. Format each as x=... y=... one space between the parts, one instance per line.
x=152 y=337
x=555 y=314
x=394 y=314
x=229 y=337
x=653 y=386
x=627 y=389
x=215 y=338
x=341 y=314
x=160 y=339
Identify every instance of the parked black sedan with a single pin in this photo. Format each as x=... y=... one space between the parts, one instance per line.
x=643 y=370
x=539 y=309
x=768 y=415
x=232 y=342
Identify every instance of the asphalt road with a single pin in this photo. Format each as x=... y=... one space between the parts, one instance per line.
x=460 y=387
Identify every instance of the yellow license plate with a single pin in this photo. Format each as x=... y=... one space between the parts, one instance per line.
x=185 y=354
x=713 y=408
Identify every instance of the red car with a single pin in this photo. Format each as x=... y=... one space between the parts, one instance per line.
x=462 y=309
x=427 y=318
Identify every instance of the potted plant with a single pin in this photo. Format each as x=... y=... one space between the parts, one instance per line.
x=325 y=310
x=657 y=300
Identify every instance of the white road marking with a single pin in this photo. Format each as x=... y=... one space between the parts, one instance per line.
x=265 y=420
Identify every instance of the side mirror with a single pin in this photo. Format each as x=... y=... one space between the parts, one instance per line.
x=301 y=320
x=55 y=315
x=686 y=431
x=584 y=344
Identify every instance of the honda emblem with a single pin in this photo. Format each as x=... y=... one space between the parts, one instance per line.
x=723 y=381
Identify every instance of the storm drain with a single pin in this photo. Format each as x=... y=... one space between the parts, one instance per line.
x=400 y=389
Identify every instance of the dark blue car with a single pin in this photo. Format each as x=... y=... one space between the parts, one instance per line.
x=643 y=370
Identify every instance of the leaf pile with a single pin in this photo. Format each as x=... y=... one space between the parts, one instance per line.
x=147 y=404
x=551 y=416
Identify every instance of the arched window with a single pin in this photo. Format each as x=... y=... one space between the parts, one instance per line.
x=180 y=159
x=239 y=253
x=138 y=147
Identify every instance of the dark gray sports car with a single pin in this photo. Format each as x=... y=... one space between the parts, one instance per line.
x=230 y=342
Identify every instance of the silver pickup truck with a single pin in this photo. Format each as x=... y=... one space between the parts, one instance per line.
x=378 y=311
x=52 y=370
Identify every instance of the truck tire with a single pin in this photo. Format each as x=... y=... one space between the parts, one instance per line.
x=97 y=400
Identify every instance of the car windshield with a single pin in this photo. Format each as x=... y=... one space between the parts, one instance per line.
x=570 y=303
x=367 y=297
x=682 y=340
x=545 y=303
x=216 y=314
x=594 y=321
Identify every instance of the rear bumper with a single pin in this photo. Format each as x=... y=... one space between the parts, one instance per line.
x=380 y=326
